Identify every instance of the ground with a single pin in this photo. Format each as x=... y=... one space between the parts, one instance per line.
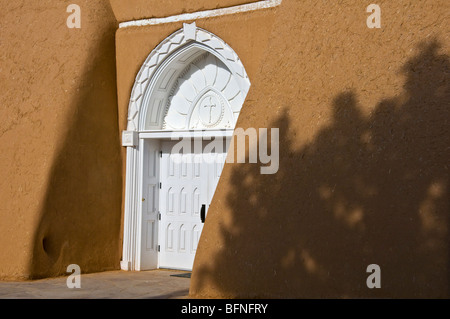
x=154 y=284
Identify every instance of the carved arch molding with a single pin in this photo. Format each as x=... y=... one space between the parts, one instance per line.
x=191 y=80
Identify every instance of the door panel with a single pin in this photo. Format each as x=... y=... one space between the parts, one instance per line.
x=149 y=204
x=187 y=183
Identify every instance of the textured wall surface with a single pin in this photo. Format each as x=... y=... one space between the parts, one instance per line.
x=127 y=10
x=364 y=146
x=364 y=171
x=60 y=180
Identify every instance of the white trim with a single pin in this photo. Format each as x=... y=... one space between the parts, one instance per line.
x=264 y=4
x=188 y=133
x=129 y=138
x=189 y=39
x=150 y=72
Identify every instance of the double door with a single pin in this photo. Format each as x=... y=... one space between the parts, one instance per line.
x=185 y=187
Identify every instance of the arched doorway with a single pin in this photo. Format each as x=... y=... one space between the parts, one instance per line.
x=193 y=86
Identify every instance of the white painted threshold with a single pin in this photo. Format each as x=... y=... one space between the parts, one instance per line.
x=175 y=135
x=264 y=4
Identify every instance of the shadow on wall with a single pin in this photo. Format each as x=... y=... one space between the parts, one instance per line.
x=81 y=217
x=367 y=190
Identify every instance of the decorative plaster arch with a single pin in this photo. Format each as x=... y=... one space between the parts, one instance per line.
x=150 y=108
x=185 y=43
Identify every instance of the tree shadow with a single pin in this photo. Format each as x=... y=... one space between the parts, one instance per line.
x=367 y=190
x=81 y=215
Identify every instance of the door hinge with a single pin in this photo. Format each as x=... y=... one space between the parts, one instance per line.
x=160 y=185
x=160 y=153
x=159 y=248
x=159 y=216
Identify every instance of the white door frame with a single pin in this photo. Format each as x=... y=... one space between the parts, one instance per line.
x=160 y=136
x=146 y=114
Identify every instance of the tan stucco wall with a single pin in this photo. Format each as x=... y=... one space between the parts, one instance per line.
x=364 y=148
x=60 y=180
x=127 y=10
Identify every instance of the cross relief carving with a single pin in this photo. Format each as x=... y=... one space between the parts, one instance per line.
x=211 y=106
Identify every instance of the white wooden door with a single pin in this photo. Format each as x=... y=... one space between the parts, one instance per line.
x=188 y=182
x=149 y=204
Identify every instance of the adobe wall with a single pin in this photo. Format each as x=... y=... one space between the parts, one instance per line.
x=364 y=146
x=60 y=182
x=127 y=10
